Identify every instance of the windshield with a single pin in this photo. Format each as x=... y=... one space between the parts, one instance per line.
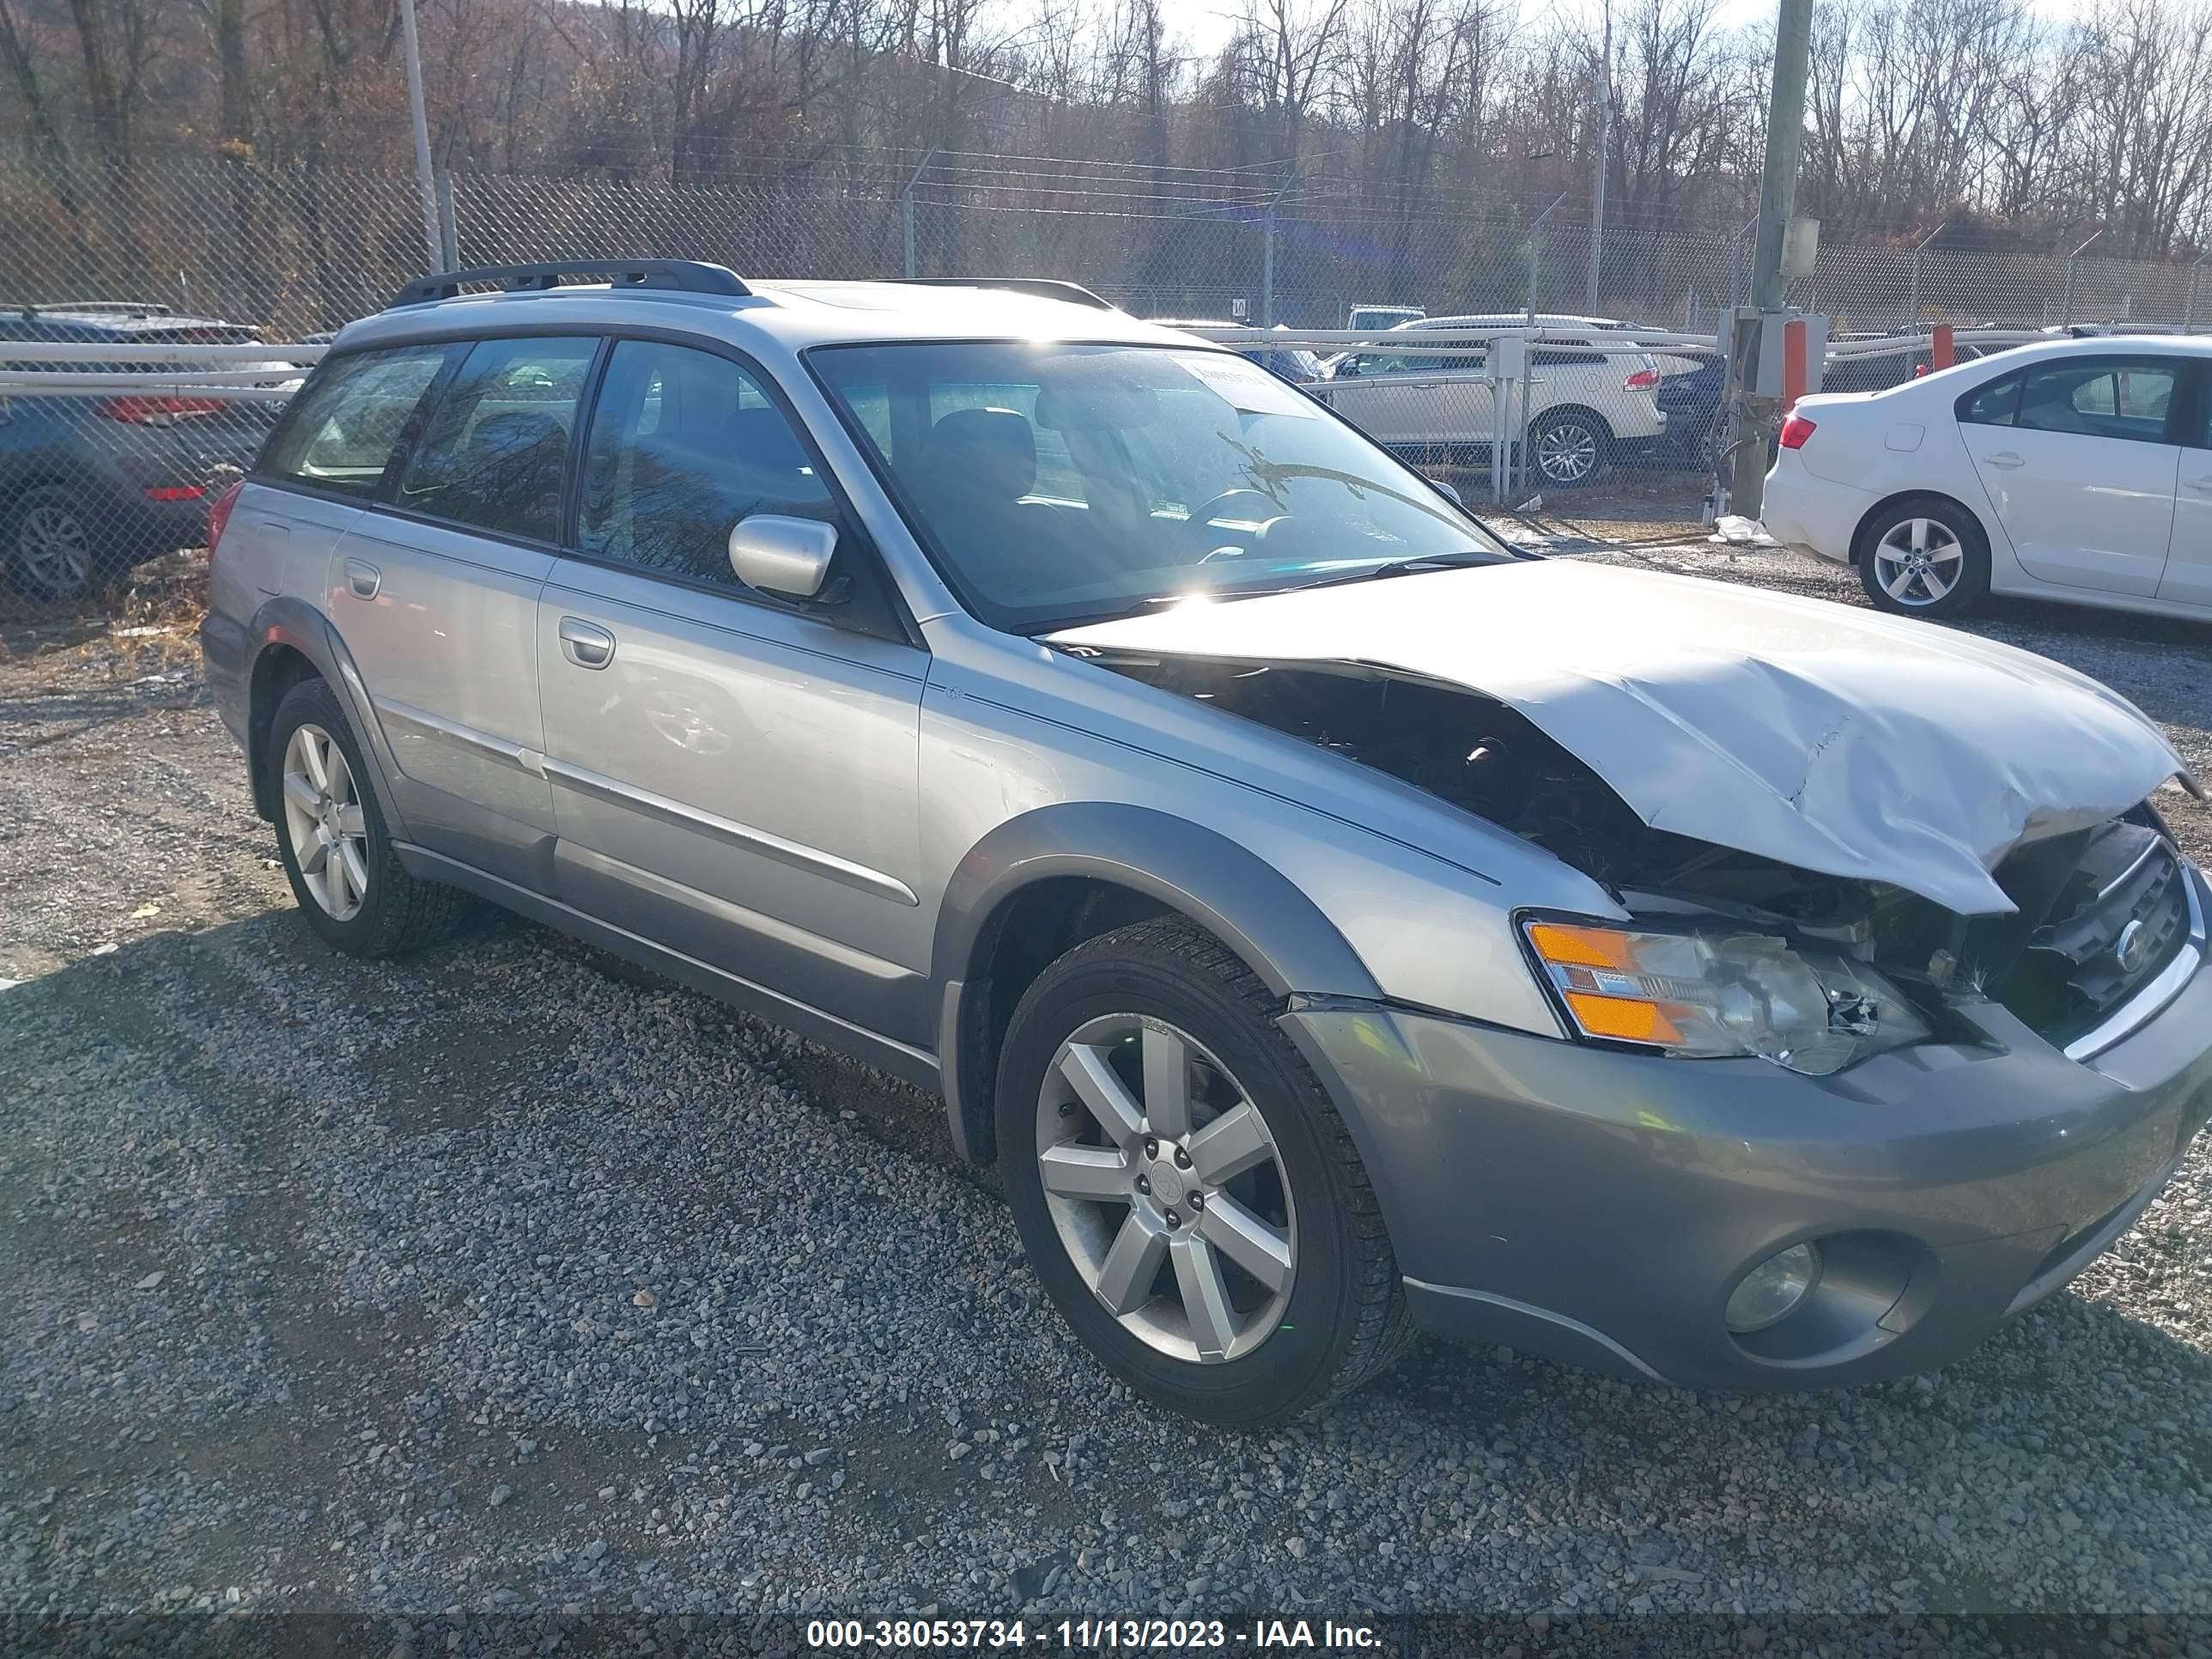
x=1057 y=483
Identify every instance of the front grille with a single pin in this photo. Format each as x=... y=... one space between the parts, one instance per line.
x=2117 y=917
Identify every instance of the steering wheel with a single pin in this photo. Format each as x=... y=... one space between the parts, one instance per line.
x=1267 y=514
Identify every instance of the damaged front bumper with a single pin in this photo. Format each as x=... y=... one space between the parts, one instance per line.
x=1600 y=1206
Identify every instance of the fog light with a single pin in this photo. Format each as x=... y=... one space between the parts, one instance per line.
x=1772 y=1289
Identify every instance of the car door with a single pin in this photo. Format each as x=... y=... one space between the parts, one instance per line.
x=2078 y=464
x=2188 y=576
x=436 y=596
x=1413 y=397
x=734 y=774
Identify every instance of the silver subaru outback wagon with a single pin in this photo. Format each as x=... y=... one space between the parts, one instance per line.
x=1330 y=922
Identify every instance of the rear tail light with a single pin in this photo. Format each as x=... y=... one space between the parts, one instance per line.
x=156 y=411
x=174 y=492
x=1794 y=431
x=219 y=515
x=1644 y=379
x=1919 y=369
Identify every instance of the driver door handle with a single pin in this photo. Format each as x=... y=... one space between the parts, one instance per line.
x=2003 y=457
x=587 y=645
x=2201 y=484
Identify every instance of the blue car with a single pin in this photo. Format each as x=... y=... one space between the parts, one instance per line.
x=91 y=486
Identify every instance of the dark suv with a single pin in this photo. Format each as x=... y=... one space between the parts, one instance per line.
x=91 y=486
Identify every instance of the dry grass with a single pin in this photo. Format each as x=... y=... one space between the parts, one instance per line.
x=150 y=627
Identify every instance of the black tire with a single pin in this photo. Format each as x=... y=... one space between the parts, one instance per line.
x=397 y=912
x=1577 y=434
x=1876 y=574
x=50 y=545
x=1344 y=1319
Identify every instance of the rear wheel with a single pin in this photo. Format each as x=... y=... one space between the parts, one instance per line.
x=1924 y=556
x=49 y=544
x=333 y=836
x=1183 y=1186
x=1571 y=447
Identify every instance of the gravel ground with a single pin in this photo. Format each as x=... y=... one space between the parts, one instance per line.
x=507 y=1277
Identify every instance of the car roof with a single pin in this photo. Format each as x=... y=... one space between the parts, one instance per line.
x=1512 y=319
x=792 y=315
x=2101 y=345
x=94 y=319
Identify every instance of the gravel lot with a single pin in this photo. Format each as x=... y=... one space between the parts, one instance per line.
x=507 y=1277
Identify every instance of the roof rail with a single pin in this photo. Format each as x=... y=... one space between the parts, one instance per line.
x=96 y=307
x=1038 y=288
x=677 y=275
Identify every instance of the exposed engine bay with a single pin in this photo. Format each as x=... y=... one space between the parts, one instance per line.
x=2045 y=961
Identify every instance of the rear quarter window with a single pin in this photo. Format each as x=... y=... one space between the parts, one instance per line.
x=343 y=432
x=1995 y=403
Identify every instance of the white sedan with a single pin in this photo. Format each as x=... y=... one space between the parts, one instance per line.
x=2076 y=470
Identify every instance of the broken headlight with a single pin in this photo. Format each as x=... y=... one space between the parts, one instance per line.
x=1705 y=994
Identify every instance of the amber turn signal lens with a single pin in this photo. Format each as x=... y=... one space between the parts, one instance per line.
x=1619 y=1017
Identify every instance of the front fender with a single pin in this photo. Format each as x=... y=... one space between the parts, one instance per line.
x=1226 y=888
x=285 y=621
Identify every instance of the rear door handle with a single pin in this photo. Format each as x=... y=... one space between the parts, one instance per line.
x=2004 y=458
x=363 y=578
x=587 y=645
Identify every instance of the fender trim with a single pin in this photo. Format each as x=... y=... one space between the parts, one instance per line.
x=1226 y=888
x=293 y=622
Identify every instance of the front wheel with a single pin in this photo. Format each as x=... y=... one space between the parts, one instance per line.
x=1185 y=1189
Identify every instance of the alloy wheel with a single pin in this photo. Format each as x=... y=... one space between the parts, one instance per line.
x=1166 y=1188
x=53 y=550
x=1919 y=562
x=1566 y=453
x=323 y=819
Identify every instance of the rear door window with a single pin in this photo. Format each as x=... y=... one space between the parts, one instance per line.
x=2099 y=396
x=496 y=449
x=343 y=431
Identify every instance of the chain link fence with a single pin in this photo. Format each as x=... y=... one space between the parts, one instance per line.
x=198 y=251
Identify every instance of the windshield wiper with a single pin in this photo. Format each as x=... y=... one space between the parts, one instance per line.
x=1413 y=567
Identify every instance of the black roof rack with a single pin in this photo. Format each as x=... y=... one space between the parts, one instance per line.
x=677 y=275
x=1039 y=288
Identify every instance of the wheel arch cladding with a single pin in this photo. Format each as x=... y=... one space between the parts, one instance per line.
x=291 y=640
x=1039 y=884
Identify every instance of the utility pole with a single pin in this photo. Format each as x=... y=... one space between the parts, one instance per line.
x=1604 y=143
x=412 y=46
x=1777 y=201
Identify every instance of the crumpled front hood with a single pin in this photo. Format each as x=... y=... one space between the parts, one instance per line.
x=1836 y=740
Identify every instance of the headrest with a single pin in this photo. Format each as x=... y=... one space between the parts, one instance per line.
x=990 y=450
x=516 y=431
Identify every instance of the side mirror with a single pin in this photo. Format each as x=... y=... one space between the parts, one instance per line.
x=1450 y=492
x=1348 y=369
x=781 y=554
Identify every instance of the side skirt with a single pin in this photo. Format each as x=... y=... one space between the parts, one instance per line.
x=914 y=1064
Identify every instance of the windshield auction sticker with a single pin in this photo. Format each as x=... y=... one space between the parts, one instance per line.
x=1248 y=387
